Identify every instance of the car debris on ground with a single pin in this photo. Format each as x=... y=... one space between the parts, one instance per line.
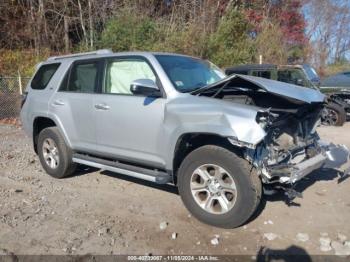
x=174 y=235
x=270 y=236
x=215 y=240
x=163 y=225
x=325 y=244
x=302 y=237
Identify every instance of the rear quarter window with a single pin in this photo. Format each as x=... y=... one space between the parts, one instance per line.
x=43 y=76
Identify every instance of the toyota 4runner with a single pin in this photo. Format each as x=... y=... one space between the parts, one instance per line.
x=176 y=119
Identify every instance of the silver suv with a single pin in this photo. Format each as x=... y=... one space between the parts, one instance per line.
x=171 y=118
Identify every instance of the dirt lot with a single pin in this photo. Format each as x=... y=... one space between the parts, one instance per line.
x=105 y=213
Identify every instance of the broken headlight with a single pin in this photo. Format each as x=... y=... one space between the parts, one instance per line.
x=265 y=118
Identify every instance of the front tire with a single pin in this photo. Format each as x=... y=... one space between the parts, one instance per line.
x=218 y=187
x=333 y=115
x=55 y=156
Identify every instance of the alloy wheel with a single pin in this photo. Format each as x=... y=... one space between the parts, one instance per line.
x=330 y=117
x=50 y=153
x=213 y=189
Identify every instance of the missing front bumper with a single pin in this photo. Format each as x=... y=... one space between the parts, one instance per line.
x=333 y=156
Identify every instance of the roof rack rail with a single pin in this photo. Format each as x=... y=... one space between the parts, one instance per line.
x=97 y=52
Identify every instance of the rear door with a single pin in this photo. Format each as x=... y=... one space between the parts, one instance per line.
x=72 y=105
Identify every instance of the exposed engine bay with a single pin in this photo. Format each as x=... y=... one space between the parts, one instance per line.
x=291 y=148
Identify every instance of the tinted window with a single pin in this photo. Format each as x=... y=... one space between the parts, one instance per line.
x=231 y=72
x=43 y=76
x=293 y=76
x=83 y=78
x=284 y=76
x=121 y=73
x=264 y=74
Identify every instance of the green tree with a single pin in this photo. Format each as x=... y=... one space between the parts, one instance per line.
x=230 y=43
x=129 y=32
x=188 y=39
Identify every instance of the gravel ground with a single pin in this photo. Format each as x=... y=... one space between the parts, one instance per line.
x=100 y=212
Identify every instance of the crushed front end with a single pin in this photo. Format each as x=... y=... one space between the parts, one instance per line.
x=289 y=116
x=292 y=148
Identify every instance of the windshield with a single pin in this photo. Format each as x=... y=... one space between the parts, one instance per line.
x=188 y=73
x=311 y=72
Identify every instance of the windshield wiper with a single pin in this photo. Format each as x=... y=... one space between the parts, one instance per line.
x=197 y=87
x=204 y=88
x=220 y=89
x=189 y=90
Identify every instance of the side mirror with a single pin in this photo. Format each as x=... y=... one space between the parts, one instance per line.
x=145 y=87
x=300 y=82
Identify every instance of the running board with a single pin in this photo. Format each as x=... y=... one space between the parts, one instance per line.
x=159 y=177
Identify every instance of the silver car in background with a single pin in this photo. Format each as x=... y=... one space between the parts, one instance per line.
x=171 y=118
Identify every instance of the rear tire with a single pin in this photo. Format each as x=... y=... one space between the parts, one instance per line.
x=334 y=115
x=55 y=156
x=214 y=205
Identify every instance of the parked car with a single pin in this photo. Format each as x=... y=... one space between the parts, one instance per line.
x=340 y=81
x=338 y=88
x=335 y=113
x=176 y=119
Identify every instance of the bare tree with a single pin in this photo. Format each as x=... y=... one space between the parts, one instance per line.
x=328 y=30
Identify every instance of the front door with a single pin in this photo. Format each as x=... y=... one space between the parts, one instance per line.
x=128 y=126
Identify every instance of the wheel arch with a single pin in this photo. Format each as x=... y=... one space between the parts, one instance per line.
x=42 y=122
x=188 y=142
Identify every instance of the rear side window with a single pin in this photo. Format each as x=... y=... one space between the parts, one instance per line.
x=43 y=76
x=231 y=72
x=264 y=74
x=82 y=78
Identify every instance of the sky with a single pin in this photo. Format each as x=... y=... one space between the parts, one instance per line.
x=311 y=20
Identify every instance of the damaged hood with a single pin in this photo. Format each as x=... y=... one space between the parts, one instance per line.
x=300 y=93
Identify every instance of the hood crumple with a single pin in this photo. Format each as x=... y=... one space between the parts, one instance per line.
x=300 y=93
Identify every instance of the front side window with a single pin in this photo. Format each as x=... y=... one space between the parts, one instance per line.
x=43 y=76
x=294 y=76
x=187 y=73
x=82 y=78
x=120 y=73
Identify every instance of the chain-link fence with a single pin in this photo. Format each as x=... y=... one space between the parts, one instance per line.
x=11 y=89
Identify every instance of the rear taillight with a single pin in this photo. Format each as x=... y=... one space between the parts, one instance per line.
x=24 y=98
